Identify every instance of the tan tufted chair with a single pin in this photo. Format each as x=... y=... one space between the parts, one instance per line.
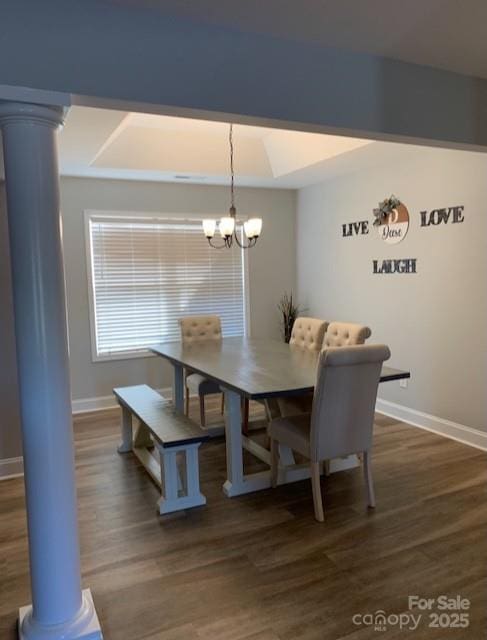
x=308 y=333
x=338 y=334
x=342 y=415
x=345 y=334
x=200 y=329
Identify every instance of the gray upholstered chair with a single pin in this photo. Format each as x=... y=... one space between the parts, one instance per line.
x=345 y=334
x=199 y=329
x=342 y=415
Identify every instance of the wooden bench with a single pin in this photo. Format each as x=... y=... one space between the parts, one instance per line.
x=166 y=443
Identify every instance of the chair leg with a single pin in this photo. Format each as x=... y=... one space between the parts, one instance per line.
x=186 y=406
x=223 y=404
x=368 y=480
x=274 y=462
x=245 y=416
x=202 y=411
x=316 y=487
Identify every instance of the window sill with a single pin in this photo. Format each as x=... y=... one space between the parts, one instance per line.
x=129 y=355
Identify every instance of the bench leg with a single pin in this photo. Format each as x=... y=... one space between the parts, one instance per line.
x=177 y=495
x=143 y=437
x=126 y=426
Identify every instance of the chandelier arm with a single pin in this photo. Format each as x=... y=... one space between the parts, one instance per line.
x=251 y=242
x=217 y=246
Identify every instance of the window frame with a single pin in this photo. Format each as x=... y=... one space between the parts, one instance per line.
x=122 y=216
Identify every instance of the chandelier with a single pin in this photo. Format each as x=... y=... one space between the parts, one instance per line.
x=228 y=224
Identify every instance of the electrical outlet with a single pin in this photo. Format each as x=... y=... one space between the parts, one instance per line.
x=403 y=383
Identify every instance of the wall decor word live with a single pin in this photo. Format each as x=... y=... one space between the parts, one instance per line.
x=355 y=228
x=401 y=265
x=392 y=220
x=442 y=216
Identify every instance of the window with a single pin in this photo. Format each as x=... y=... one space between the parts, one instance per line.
x=145 y=273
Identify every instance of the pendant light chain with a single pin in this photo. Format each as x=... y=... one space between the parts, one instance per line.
x=232 y=172
x=252 y=227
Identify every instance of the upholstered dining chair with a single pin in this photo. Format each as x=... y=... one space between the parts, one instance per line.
x=308 y=334
x=337 y=334
x=199 y=329
x=345 y=334
x=342 y=415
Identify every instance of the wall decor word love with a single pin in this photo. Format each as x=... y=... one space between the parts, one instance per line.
x=355 y=228
x=442 y=216
x=401 y=265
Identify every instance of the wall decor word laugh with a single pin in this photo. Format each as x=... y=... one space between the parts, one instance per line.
x=401 y=265
x=442 y=216
x=355 y=228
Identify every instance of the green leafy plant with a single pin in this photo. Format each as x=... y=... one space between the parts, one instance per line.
x=289 y=312
x=384 y=209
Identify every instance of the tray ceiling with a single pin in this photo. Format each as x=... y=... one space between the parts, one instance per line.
x=115 y=144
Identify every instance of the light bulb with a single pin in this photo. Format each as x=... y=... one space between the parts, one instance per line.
x=209 y=228
x=253 y=227
x=227 y=225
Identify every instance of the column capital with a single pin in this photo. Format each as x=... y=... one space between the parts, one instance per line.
x=18 y=112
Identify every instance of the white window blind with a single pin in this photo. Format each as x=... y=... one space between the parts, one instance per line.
x=145 y=274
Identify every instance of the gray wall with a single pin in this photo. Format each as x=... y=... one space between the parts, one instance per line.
x=10 y=446
x=135 y=54
x=435 y=321
x=272 y=264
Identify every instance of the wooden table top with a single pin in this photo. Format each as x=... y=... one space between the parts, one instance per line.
x=254 y=367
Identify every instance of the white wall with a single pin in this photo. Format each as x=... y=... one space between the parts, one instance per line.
x=435 y=321
x=271 y=264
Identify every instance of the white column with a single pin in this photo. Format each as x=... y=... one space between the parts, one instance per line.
x=60 y=609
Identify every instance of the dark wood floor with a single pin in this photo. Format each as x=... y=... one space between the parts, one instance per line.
x=259 y=567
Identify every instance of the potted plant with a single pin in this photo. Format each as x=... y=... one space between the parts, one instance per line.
x=289 y=312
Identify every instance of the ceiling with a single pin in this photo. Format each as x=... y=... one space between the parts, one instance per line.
x=117 y=144
x=447 y=34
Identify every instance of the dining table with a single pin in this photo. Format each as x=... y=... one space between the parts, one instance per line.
x=260 y=369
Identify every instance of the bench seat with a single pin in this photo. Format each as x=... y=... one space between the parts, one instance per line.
x=158 y=414
x=166 y=443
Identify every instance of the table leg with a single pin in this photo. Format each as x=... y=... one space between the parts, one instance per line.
x=237 y=482
x=233 y=437
x=178 y=388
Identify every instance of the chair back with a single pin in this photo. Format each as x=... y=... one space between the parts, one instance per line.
x=308 y=333
x=342 y=416
x=200 y=328
x=344 y=334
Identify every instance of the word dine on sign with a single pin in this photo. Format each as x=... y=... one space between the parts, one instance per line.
x=442 y=216
x=401 y=265
x=355 y=228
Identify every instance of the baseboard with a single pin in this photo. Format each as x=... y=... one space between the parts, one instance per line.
x=11 y=468
x=101 y=403
x=447 y=428
x=441 y=426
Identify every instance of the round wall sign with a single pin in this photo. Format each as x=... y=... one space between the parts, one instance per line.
x=394 y=227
